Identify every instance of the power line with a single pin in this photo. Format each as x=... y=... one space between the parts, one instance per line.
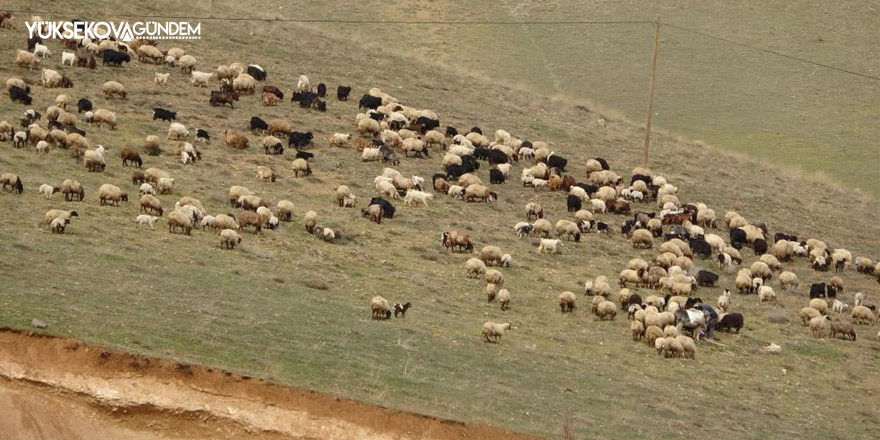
x=773 y=52
x=357 y=21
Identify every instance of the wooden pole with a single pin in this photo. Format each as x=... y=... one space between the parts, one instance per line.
x=651 y=89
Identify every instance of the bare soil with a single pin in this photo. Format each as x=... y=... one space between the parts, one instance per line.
x=58 y=388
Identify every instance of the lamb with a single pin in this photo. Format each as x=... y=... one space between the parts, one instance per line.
x=549 y=246
x=303 y=85
x=339 y=140
x=820 y=325
x=766 y=294
x=863 y=315
x=523 y=229
x=145 y=219
x=380 y=308
x=48 y=190
x=114 y=88
x=161 y=78
x=58 y=225
x=723 y=301
x=475 y=267
x=494 y=332
x=839 y=306
x=567 y=301
x=415 y=196
x=229 y=238
x=200 y=79
x=111 y=194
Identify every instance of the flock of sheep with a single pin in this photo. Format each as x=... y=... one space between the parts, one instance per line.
x=384 y=130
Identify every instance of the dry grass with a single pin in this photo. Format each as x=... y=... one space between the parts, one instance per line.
x=296 y=309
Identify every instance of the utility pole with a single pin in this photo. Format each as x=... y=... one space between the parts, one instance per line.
x=651 y=89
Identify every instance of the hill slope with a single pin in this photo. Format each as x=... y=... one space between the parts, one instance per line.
x=293 y=309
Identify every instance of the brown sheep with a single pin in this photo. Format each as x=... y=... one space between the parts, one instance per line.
x=279 y=126
x=130 y=156
x=251 y=218
x=72 y=189
x=235 y=140
x=150 y=204
x=374 y=212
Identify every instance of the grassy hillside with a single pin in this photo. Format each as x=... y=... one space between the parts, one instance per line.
x=794 y=114
x=294 y=309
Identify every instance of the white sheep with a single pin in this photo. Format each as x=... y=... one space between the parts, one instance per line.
x=475 y=267
x=839 y=306
x=145 y=219
x=415 y=196
x=303 y=85
x=146 y=188
x=550 y=246
x=43 y=51
x=48 y=190
x=503 y=297
x=201 y=79
x=67 y=58
x=161 y=78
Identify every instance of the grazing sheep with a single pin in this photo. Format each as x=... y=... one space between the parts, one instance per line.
x=606 y=309
x=820 y=305
x=165 y=185
x=111 y=194
x=310 y=220
x=380 y=308
x=637 y=329
x=475 y=267
x=788 y=280
x=177 y=132
x=820 y=325
x=642 y=238
x=24 y=58
x=494 y=277
x=491 y=291
x=265 y=174
x=863 y=315
x=492 y=332
x=114 y=88
x=491 y=255
x=504 y=299
x=844 y=329
x=339 y=140
x=229 y=238
x=374 y=212
x=181 y=220
x=839 y=306
x=534 y=210
x=244 y=83
x=301 y=165
x=837 y=283
x=550 y=246
x=652 y=334
x=688 y=348
x=567 y=301
x=808 y=313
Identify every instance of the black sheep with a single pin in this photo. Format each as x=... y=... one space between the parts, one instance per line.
x=496 y=176
x=730 y=322
x=342 y=93
x=574 y=203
